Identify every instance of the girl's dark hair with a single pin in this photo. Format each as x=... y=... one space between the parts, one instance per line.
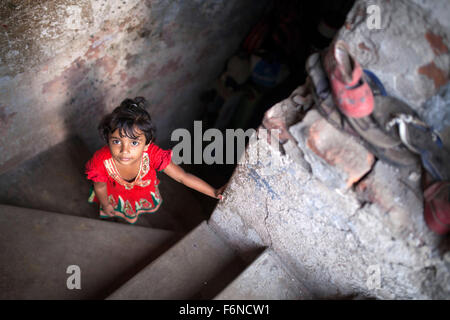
x=128 y=117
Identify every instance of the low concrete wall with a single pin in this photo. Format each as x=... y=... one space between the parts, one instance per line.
x=363 y=236
x=346 y=223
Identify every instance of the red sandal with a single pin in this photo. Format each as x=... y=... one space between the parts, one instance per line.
x=351 y=92
x=437 y=207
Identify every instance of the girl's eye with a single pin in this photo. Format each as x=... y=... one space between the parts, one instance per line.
x=135 y=143
x=116 y=142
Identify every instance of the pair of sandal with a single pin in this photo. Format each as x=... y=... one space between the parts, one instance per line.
x=378 y=131
x=355 y=93
x=389 y=128
x=370 y=129
x=376 y=121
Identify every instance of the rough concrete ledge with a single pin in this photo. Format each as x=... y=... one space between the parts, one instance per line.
x=336 y=158
x=265 y=279
x=354 y=226
x=369 y=240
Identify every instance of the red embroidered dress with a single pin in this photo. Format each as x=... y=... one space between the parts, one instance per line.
x=129 y=199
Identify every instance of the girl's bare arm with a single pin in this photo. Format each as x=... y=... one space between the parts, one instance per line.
x=177 y=173
x=102 y=196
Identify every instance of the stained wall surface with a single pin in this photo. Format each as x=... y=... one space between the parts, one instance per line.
x=409 y=51
x=65 y=63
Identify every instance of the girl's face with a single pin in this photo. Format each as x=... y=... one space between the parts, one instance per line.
x=126 y=151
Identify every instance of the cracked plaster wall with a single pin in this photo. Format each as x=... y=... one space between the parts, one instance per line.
x=346 y=223
x=338 y=242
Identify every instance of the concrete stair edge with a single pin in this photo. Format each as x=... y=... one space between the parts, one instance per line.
x=197 y=267
x=86 y=219
x=266 y=278
x=46 y=243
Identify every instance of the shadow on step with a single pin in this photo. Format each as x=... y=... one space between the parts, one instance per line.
x=129 y=273
x=52 y=181
x=226 y=275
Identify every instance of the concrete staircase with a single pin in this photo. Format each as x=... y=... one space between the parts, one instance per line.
x=203 y=266
x=157 y=260
x=198 y=266
x=55 y=181
x=37 y=247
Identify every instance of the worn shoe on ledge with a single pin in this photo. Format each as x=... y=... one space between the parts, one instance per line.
x=351 y=92
x=384 y=144
x=437 y=207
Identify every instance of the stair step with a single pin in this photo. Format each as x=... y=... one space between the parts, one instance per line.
x=53 y=181
x=197 y=267
x=58 y=184
x=265 y=279
x=36 y=248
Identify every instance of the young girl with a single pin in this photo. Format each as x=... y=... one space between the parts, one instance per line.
x=124 y=171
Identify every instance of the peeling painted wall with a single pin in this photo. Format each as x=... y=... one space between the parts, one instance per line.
x=65 y=63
